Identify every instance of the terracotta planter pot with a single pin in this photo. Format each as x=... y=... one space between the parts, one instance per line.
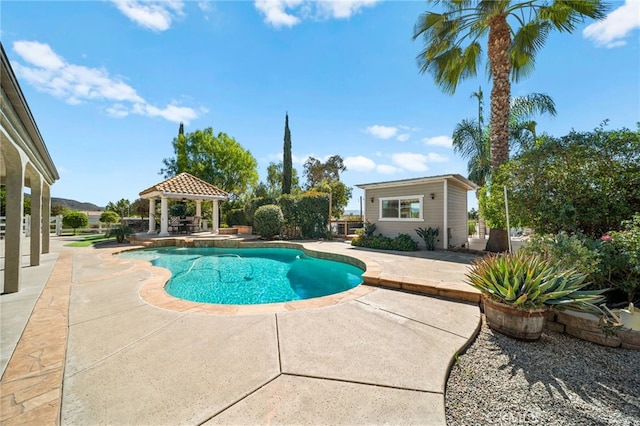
x=517 y=323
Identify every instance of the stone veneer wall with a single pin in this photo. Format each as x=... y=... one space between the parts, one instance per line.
x=586 y=327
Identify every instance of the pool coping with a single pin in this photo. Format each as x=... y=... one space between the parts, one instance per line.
x=154 y=294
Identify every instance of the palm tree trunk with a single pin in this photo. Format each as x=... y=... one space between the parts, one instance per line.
x=500 y=62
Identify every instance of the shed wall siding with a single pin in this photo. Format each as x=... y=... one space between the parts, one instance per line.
x=433 y=210
x=457 y=212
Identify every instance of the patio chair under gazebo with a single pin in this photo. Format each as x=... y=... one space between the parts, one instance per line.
x=182 y=187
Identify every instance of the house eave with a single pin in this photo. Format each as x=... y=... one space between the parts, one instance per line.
x=466 y=183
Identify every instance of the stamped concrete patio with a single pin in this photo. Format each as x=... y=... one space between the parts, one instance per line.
x=98 y=350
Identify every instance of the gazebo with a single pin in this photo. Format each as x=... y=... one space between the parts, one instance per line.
x=182 y=187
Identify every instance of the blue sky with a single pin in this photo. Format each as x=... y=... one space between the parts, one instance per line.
x=109 y=81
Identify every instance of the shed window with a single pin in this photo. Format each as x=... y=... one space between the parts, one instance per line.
x=401 y=208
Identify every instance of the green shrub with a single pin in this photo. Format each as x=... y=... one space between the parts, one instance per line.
x=566 y=251
x=236 y=217
x=75 y=219
x=402 y=242
x=253 y=205
x=109 y=217
x=620 y=259
x=119 y=232
x=530 y=282
x=613 y=262
x=367 y=230
x=268 y=221
x=313 y=214
x=471 y=225
x=289 y=205
x=429 y=236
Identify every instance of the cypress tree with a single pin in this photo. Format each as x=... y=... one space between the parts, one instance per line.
x=286 y=161
x=181 y=151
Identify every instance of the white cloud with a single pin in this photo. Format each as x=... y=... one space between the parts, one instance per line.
x=50 y=73
x=443 y=141
x=403 y=137
x=386 y=169
x=433 y=157
x=359 y=164
x=151 y=14
x=117 y=110
x=205 y=6
x=342 y=9
x=410 y=161
x=274 y=12
x=300 y=159
x=288 y=13
x=381 y=132
x=171 y=112
x=38 y=54
x=616 y=26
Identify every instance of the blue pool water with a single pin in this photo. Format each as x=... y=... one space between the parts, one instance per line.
x=248 y=275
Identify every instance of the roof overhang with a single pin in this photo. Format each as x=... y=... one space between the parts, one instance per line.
x=41 y=158
x=462 y=181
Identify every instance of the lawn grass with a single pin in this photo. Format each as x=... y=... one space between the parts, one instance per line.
x=90 y=240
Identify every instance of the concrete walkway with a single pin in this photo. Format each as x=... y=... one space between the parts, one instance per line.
x=381 y=356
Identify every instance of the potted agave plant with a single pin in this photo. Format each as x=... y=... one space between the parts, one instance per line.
x=518 y=289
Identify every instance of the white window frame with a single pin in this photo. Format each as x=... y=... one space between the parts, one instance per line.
x=399 y=199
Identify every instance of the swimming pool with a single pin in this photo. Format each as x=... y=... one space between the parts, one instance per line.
x=243 y=276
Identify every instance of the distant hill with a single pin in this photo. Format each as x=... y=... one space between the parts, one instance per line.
x=75 y=205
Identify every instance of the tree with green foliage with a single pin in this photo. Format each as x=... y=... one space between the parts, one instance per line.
x=122 y=207
x=516 y=31
x=287 y=164
x=586 y=182
x=58 y=209
x=325 y=177
x=340 y=195
x=471 y=138
x=275 y=179
x=75 y=219
x=140 y=207
x=317 y=171
x=217 y=159
x=109 y=217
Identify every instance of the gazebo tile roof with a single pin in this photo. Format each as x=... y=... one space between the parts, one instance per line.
x=185 y=183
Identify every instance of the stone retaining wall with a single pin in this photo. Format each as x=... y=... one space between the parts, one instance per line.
x=587 y=327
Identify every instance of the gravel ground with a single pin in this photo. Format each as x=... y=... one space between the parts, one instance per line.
x=558 y=380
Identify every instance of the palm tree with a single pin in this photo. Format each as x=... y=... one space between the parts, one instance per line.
x=522 y=126
x=471 y=137
x=516 y=31
x=471 y=141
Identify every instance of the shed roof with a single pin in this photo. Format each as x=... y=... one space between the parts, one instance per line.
x=427 y=179
x=187 y=186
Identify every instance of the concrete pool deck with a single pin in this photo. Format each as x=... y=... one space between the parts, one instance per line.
x=94 y=351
